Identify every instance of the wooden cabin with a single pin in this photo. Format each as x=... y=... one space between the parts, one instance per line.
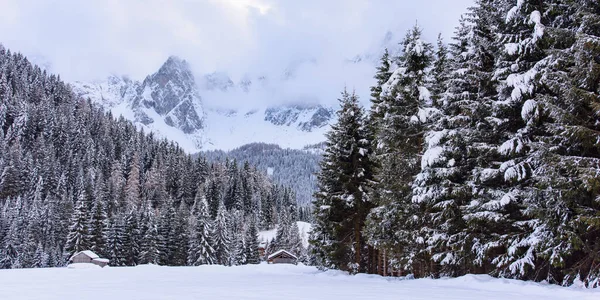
x=88 y=257
x=282 y=257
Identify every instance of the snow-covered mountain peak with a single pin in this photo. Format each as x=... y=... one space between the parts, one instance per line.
x=171 y=93
x=304 y=117
x=169 y=103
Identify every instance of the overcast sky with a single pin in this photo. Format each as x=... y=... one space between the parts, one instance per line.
x=89 y=39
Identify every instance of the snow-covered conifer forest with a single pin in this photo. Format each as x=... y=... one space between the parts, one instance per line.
x=480 y=155
x=294 y=168
x=75 y=178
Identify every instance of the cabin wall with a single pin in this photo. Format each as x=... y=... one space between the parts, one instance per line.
x=81 y=258
x=100 y=263
x=282 y=260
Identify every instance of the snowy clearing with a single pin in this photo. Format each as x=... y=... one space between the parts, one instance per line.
x=260 y=282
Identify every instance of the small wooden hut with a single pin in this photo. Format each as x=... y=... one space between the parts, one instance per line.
x=282 y=257
x=88 y=257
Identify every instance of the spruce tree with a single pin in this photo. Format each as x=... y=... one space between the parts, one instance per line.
x=407 y=109
x=150 y=241
x=251 y=246
x=382 y=75
x=115 y=250
x=98 y=228
x=201 y=249
x=341 y=203
x=221 y=237
x=78 y=238
x=131 y=240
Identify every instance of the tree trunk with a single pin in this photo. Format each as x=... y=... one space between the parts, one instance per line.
x=357 y=244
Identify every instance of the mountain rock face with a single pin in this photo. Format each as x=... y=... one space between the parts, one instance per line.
x=169 y=103
x=171 y=93
x=303 y=117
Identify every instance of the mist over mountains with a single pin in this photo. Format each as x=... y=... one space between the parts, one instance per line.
x=215 y=111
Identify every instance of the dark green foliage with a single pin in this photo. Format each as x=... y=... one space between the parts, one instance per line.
x=341 y=203
x=488 y=157
x=251 y=250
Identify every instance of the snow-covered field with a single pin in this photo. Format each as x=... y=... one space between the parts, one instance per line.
x=264 y=282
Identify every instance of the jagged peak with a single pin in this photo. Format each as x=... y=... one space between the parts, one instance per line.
x=175 y=64
x=176 y=61
x=175 y=70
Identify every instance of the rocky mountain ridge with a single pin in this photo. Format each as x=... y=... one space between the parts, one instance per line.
x=169 y=103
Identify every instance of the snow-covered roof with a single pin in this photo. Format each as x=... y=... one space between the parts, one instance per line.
x=105 y=260
x=87 y=253
x=282 y=251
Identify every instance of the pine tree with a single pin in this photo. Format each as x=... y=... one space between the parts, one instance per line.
x=115 y=249
x=150 y=241
x=98 y=228
x=78 y=238
x=407 y=109
x=267 y=208
x=179 y=238
x=501 y=207
x=8 y=259
x=341 y=203
x=130 y=240
x=382 y=76
x=251 y=246
x=221 y=237
x=214 y=197
x=237 y=229
x=247 y=189
x=294 y=240
x=439 y=73
x=282 y=236
x=165 y=230
x=201 y=249
x=557 y=187
x=442 y=186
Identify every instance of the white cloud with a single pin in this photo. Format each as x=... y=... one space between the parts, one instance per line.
x=86 y=40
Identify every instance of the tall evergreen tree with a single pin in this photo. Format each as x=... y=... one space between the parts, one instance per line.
x=150 y=241
x=78 y=238
x=115 y=249
x=251 y=246
x=341 y=201
x=221 y=237
x=131 y=240
x=98 y=228
x=201 y=249
x=407 y=108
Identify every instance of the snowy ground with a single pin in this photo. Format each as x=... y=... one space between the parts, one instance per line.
x=264 y=282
